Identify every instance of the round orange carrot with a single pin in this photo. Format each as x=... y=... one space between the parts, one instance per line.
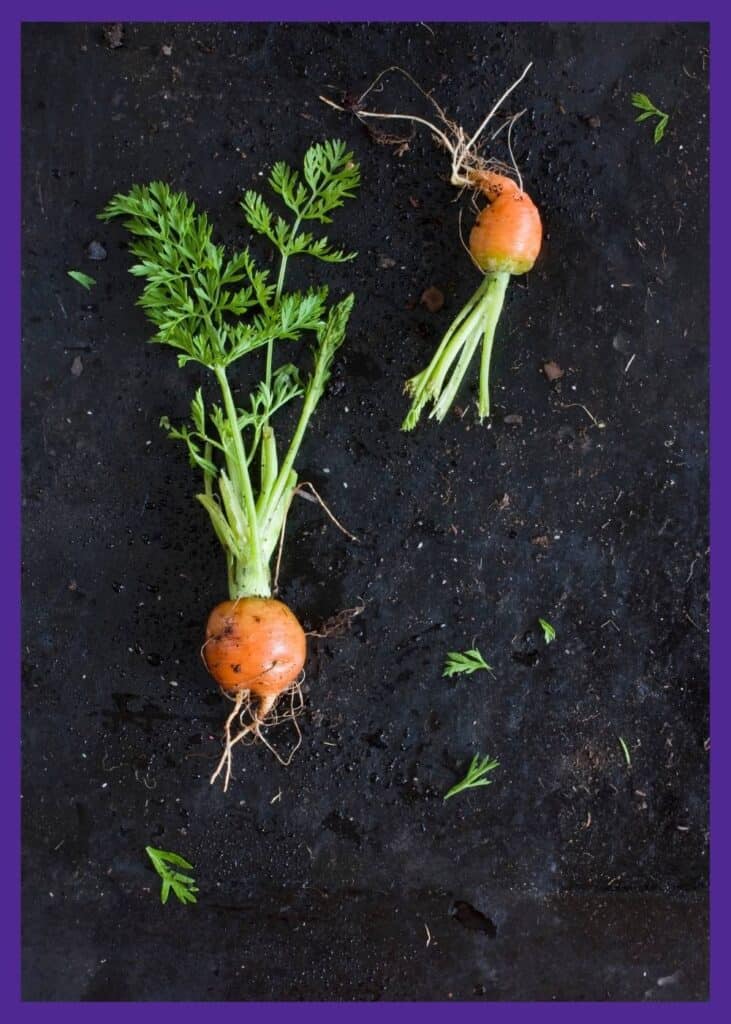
x=254 y=644
x=508 y=233
x=255 y=649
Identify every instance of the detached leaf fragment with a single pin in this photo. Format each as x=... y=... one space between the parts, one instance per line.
x=83 y=279
x=479 y=767
x=464 y=663
x=182 y=885
x=641 y=101
x=625 y=751
x=549 y=633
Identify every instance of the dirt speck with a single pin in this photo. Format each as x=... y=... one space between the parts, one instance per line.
x=433 y=299
x=77 y=367
x=114 y=35
x=552 y=371
x=472 y=918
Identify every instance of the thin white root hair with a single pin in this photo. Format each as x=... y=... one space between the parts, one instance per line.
x=394 y=67
x=267 y=715
x=226 y=755
x=309 y=486
x=510 y=123
x=203 y=647
x=458 y=159
x=360 y=114
x=465 y=246
x=464 y=151
x=291 y=715
x=280 y=547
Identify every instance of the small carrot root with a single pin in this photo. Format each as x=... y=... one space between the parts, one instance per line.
x=463 y=149
x=226 y=755
x=264 y=714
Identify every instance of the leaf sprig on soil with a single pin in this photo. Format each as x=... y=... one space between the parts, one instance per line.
x=81 y=278
x=479 y=767
x=643 y=102
x=182 y=885
x=464 y=663
x=549 y=633
x=625 y=751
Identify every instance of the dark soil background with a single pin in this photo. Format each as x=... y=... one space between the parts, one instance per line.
x=346 y=876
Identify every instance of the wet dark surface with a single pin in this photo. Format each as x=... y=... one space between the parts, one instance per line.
x=574 y=876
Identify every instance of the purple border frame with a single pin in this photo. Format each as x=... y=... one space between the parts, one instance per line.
x=713 y=11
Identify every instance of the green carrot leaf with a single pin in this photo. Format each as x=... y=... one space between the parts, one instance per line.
x=549 y=633
x=625 y=751
x=182 y=885
x=464 y=663
x=641 y=101
x=475 y=777
x=83 y=279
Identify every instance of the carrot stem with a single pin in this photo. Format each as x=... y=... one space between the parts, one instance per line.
x=475 y=322
x=449 y=393
x=492 y=306
x=250 y=576
x=429 y=383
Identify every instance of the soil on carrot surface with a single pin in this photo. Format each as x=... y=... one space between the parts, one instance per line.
x=581 y=872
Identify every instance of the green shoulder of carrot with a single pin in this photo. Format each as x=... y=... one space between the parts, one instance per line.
x=220 y=310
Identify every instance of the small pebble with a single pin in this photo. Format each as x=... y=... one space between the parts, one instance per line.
x=96 y=251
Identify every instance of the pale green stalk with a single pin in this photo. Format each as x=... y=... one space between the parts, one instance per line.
x=476 y=321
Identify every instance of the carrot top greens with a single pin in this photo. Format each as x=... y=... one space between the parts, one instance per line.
x=214 y=309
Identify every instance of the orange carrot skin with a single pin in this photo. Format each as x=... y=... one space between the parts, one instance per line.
x=256 y=644
x=508 y=233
